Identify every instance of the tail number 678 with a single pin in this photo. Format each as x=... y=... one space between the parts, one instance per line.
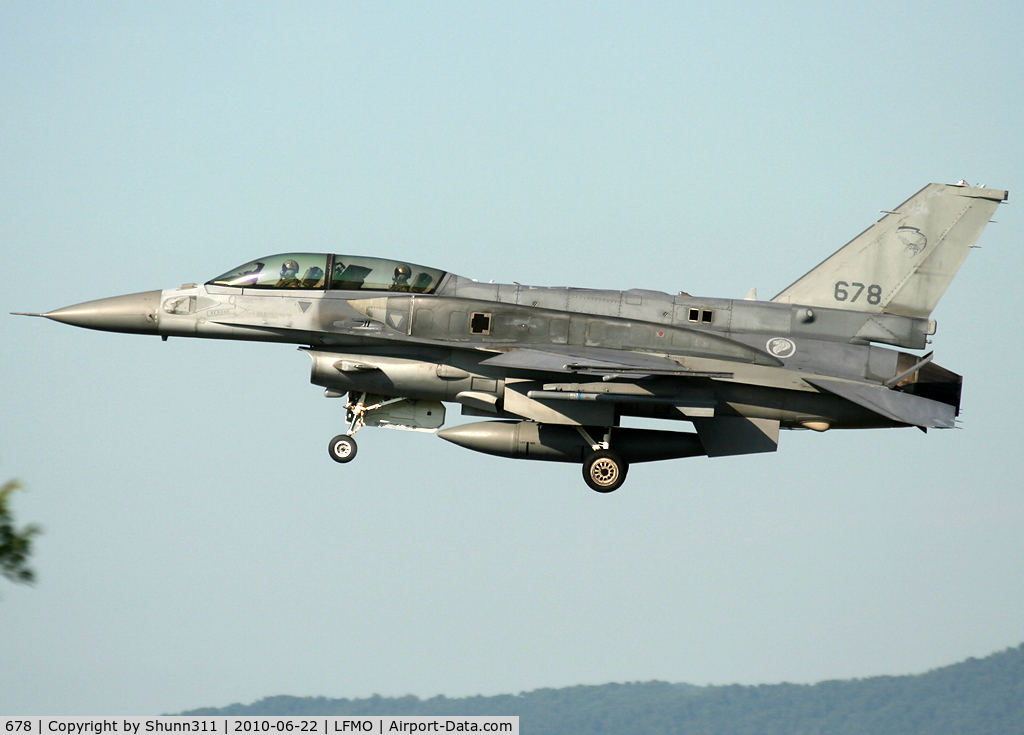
x=852 y=291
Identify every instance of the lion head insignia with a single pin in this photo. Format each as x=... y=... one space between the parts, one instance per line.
x=913 y=238
x=781 y=347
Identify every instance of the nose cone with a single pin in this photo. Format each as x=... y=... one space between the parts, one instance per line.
x=134 y=313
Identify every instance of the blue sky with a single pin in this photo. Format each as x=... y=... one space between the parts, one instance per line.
x=200 y=546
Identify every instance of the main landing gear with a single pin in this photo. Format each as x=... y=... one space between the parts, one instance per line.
x=604 y=470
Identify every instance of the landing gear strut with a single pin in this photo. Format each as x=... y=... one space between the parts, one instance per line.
x=343 y=447
x=604 y=470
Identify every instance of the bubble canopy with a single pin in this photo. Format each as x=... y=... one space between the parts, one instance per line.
x=311 y=271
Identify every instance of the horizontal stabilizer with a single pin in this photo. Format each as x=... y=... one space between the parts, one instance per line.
x=894 y=405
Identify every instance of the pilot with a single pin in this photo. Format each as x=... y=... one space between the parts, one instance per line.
x=314 y=278
x=400 y=281
x=339 y=271
x=289 y=275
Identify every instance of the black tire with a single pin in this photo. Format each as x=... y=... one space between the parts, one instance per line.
x=604 y=471
x=342 y=448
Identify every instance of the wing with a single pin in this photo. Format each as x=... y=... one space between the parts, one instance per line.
x=895 y=405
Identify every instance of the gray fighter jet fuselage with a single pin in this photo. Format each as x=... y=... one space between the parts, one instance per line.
x=555 y=370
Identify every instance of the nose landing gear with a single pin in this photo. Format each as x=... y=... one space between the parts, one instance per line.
x=343 y=447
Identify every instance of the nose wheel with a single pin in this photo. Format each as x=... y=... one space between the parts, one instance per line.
x=342 y=448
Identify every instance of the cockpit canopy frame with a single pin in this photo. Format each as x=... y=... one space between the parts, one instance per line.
x=308 y=271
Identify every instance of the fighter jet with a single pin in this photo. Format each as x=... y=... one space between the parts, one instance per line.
x=555 y=370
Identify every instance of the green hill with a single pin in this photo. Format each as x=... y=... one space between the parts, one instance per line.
x=977 y=696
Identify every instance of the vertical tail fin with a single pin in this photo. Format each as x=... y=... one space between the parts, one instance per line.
x=903 y=263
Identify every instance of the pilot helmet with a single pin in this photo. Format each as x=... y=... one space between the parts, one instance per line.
x=289 y=269
x=402 y=273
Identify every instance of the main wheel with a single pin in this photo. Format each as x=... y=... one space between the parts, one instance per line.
x=604 y=471
x=342 y=448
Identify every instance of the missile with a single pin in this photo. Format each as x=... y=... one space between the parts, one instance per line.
x=561 y=443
